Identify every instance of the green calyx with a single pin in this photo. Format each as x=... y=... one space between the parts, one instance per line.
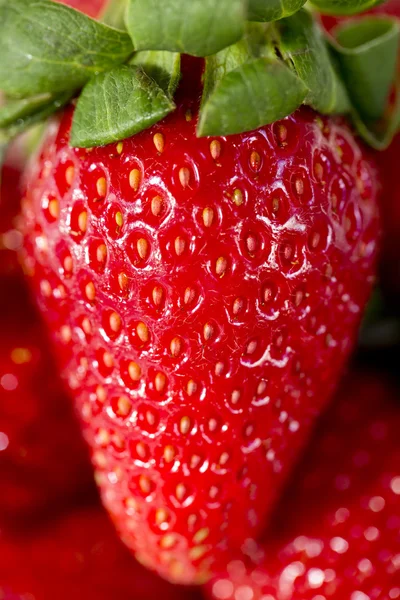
x=264 y=58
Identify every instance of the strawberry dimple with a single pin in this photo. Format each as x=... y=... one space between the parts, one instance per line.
x=214 y=288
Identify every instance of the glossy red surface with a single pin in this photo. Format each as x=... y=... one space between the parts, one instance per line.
x=77 y=556
x=203 y=295
x=337 y=533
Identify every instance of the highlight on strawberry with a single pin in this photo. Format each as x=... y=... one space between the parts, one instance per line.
x=201 y=230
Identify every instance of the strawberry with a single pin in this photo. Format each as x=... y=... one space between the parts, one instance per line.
x=337 y=533
x=77 y=556
x=203 y=295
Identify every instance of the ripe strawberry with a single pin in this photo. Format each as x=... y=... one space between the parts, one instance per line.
x=80 y=557
x=337 y=534
x=203 y=295
x=43 y=461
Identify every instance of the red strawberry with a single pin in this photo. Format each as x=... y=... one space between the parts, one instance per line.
x=337 y=534
x=203 y=295
x=80 y=557
x=43 y=461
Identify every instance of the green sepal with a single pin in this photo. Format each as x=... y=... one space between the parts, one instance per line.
x=345 y=7
x=245 y=89
x=24 y=122
x=302 y=44
x=162 y=66
x=272 y=10
x=366 y=51
x=49 y=47
x=15 y=109
x=116 y=105
x=197 y=27
x=113 y=14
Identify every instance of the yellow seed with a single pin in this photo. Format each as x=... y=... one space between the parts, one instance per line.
x=238 y=197
x=195 y=461
x=141 y=449
x=208 y=217
x=188 y=115
x=143 y=332
x=45 y=288
x=192 y=519
x=319 y=171
x=119 y=219
x=86 y=326
x=189 y=295
x=208 y=331
x=66 y=333
x=69 y=174
x=156 y=205
x=134 y=371
x=90 y=291
x=123 y=281
x=108 y=360
x=120 y=147
x=142 y=246
x=150 y=418
x=251 y=347
x=184 y=425
x=262 y=386
x=169 y=454
x=115 y=322
x=315 y=239
x=180 y=245
x=176 y=346
x=184 y=176
x=221 y=266
x=299 y=185
x=124 y=406
x=282 y=134
x=237 y=306
x=191 y=387
x=275 y=205
x=223 y=459
x=134 y=179
x=251 y=244
x=212 y=424
x=161 y=516
x=235 y=397
x=54 y=208
x=219 y=368
x=157 y=295
x=213 y=493
x=82 y=221
x=68 y=264
x=180 y=491
x=176 y=569
x=101 y=253
x=160 y=381
x=167 y=541
x=101 y=187
x=101 y=394
x=255 y=160
x=159 y=141
x=197 y=552
x=144 y=484
x=103 y=437
x=21 y=356
x=215 y=149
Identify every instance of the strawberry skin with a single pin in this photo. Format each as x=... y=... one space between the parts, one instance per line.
x=337 y=533
x=203 y=295
x=77 y=556
x=43 y=460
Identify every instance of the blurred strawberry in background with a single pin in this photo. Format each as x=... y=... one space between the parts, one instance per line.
x=77 y=556
x=337 y=533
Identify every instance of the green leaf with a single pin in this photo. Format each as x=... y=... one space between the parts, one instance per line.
x=302 y=44
x=49 y=47
x=197 y=27
x=272 y=10
x=164 y=67
x=14 y=109
x=116 y=105
x=258 y=92
x=345 y=7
